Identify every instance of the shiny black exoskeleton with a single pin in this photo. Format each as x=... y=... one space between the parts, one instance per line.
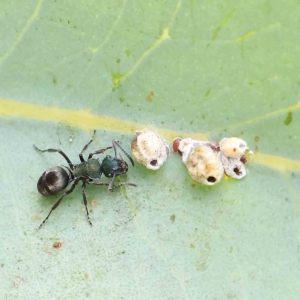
x=56 y=179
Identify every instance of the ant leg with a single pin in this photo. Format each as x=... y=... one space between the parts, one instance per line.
x=59 y=200
x=111 y=184
x=85 y=203
x=116 y=143
x=113 y=187
x=123 y=183
x=60 y=152
x=85 y=147
x=98 y=183
x=98 y=152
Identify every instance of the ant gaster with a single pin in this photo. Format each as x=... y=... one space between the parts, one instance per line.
x=56 y=179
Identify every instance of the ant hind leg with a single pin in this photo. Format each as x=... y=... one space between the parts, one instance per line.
x=59 y=201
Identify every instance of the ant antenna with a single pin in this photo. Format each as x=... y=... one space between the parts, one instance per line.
x=116 y=143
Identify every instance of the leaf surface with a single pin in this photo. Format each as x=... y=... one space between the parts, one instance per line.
x=206 y=70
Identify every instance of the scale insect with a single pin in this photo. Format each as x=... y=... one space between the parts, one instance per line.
x=149 y=149
x=56 y=179
x=207 y=161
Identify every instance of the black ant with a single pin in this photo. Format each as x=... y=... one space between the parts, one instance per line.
x=56 y=179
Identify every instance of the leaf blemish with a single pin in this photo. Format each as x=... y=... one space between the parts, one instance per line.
x=116 y=79
x=289 y=118
x=150 y=96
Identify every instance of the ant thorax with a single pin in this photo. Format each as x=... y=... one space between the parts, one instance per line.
x=94 y=168
x=89 y=169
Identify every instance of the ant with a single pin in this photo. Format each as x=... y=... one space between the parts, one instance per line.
x=56 y=179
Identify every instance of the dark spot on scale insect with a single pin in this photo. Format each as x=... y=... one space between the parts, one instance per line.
x=154 y=162
x=57 y=179
x=237 y=171
x=243 y=159
x=211 y=179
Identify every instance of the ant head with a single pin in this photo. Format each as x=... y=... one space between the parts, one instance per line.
x=112 y=166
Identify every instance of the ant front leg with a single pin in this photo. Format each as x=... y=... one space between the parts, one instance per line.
x=98 y=152
x=85 y=203
x=85 y=147
x=60 y=152
x=59 y=201
x=112 y=187
x=116 y=143
x=111 y=184
x=122 y=184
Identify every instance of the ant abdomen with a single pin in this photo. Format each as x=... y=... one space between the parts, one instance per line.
x=53 y=181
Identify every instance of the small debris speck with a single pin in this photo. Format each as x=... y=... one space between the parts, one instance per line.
x=57 y=245
x=94 y=203
x=172 y=218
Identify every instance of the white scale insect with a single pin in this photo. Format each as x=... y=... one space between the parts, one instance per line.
x=149 y=149
x=207 y=161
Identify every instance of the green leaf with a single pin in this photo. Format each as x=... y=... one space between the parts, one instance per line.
x=205 y=70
